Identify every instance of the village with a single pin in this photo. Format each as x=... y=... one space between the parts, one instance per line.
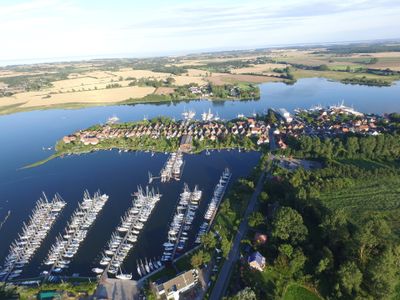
x=186 y=131
x=279 y=125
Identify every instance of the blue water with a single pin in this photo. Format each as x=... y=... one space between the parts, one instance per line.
x=23 y=135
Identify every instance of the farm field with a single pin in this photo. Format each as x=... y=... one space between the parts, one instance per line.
x=109 y=81
x=375 y=197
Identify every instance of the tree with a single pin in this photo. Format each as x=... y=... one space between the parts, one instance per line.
x=288 y=226
x=225 y=247
x=199 y=258
x=8 y=291
x=286 y=249
x=208 y=241
x=350 y=278
x=327 y=261
x=297 y=262
x=245 y=294
x=271 y=117
x=382 y=275
x=369 y=238
x=255 y=219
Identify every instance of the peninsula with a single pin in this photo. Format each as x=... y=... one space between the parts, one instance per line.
x=336 y=124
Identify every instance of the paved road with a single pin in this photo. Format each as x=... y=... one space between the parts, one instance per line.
x=223 y=277
x=272 y=142
x=116 y=289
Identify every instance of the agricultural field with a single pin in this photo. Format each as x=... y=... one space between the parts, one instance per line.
x=110 y=81
x=377 y=196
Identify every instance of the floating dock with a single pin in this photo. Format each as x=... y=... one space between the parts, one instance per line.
x=66 y=246
x=181 y=222
x=214 y=204
x=40 y=222
x=126 y=235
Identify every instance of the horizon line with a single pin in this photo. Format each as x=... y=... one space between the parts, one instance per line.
x=93 y=57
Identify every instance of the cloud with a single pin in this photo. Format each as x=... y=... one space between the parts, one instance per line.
x=43 y=28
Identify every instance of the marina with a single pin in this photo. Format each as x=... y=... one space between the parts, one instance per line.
x=67 y=245
x=24 y=143
x=173 y=167
x=23 y=249
x=213 y=206
x=148 y=266
x=181 y=223
x=126 y=235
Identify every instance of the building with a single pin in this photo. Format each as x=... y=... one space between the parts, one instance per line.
x=186 y=143
x=172 y=288
x=285 y=115
x=256 y=261
x=260 y=238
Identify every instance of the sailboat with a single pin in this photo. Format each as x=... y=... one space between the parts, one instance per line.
x=123 y=276
x=138 y=269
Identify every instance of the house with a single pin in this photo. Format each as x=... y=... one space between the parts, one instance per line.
x=68 y=139
x=172 y=288
x=186 y=143
x=256 y=261
x=285 y=115
x=281 y=144
x=260 y=238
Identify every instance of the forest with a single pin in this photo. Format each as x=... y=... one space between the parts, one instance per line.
x=328 y=249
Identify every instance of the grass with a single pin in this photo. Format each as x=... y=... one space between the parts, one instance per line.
x=337 y=76
x=31 y=292
x=41 y=162
x=298 y=292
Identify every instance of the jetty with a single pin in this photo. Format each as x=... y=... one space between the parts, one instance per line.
x=181 y=222
x=214 y=204
x=67 y=245
x=173 y=167
x=40 y=222
x=126 y=234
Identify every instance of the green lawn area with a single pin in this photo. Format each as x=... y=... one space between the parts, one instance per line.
x=298 y=292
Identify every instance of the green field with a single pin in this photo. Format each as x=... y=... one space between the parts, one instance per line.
x=298 y=292
x=337 y=75
x=376 y=196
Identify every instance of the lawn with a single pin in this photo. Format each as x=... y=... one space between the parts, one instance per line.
x=298 y=292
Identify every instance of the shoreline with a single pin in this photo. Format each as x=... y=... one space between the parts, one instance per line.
x=158 y=99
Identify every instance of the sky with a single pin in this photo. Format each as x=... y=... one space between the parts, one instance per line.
x=36 y=29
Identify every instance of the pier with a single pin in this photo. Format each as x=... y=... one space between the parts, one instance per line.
x=213 y=206
x=123 y=239
x=40 y=222
x=67 y=246
x=181 y=222
x=173 y=168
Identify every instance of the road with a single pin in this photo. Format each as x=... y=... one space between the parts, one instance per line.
x=272 y=142
x=223 y=277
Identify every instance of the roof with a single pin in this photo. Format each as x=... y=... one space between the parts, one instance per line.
x=179 y=282
x=47 y=295
x=186 y=139
x=260 y=237
x=256 y=257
